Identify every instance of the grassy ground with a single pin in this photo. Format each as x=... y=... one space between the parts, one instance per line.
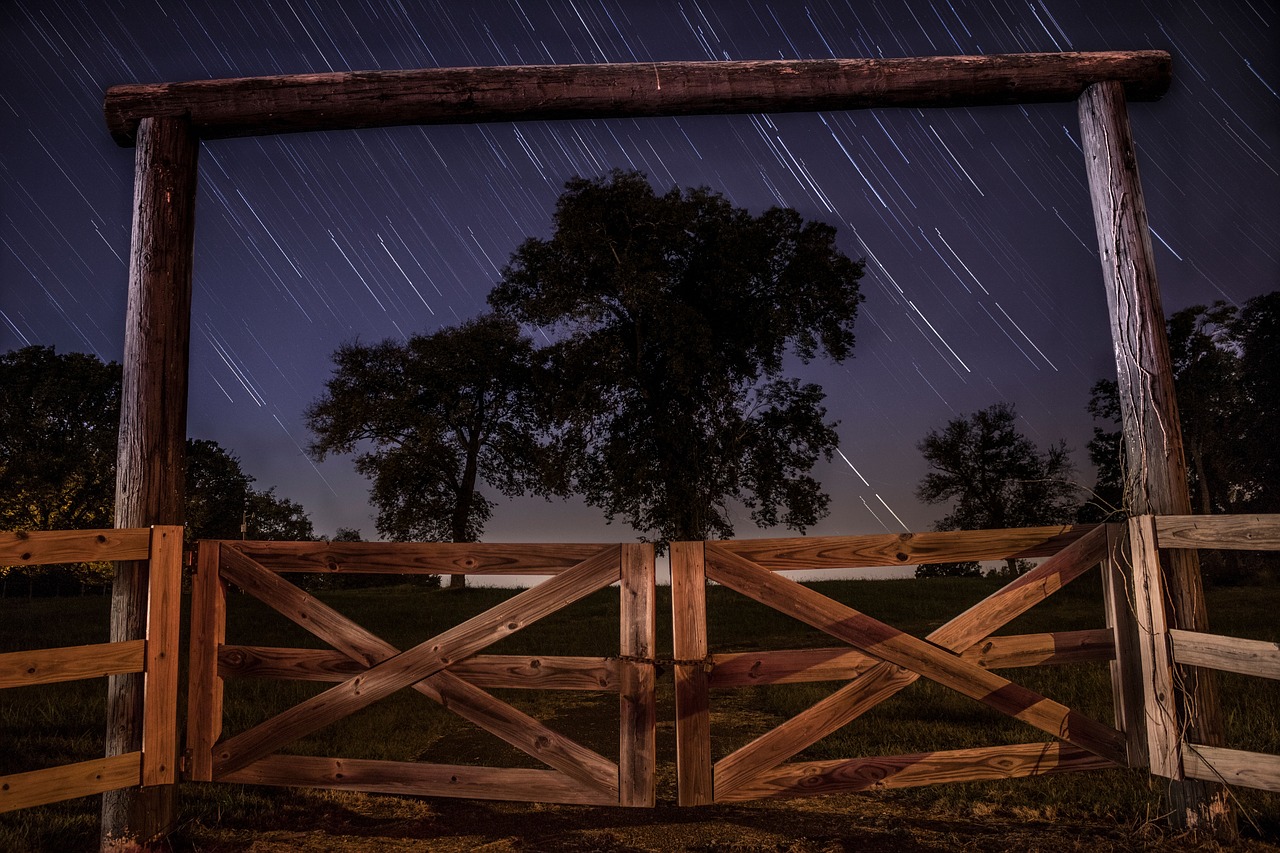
x=1111 y=810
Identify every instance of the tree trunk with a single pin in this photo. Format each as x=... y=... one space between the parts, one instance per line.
x=150 y=469
x=1157 y=468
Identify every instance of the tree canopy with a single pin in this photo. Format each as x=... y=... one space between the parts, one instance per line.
x=995 y=475
x=432 y=419
x=670 y=318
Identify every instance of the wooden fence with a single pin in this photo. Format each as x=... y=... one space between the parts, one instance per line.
x=156 y=656
x=446 y=669
x=1165 y=650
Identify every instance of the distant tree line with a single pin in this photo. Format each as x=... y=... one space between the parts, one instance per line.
x=59 y=418
x=1226 y=365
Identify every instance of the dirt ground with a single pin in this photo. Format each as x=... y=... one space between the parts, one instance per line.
x=359 y=822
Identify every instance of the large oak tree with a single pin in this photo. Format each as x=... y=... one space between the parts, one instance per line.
x=670 y=316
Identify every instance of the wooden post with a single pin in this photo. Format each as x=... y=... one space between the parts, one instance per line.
x=637 y=762
x=1156 y=476
x=151 y=459
x=1118 y=586
x=693 y=694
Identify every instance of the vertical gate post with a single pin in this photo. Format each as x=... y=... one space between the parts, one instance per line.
x=150 y=460
x=1118 y=585
x=1156 y=475
x=637 y=760
x=693 y=713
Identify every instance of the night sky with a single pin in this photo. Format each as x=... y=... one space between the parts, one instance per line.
x=982 y=281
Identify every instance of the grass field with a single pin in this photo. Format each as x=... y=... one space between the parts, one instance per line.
x=1118 y=809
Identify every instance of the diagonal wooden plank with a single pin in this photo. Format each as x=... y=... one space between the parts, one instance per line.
x=884 y=680
x=895 y=647
x=423 y=660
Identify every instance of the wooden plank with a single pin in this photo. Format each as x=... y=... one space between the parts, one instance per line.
x=303 y=102
x=527 y=734
x=511 y=672
x=70 y=663
x=160 y=706
x=415 y=558
x=407 y=778
x=1232 y=654
x=1052 y=649
x=790 y=666
x=894 y=646
x=904 y=549
x=883 y=680
x=1159 y=702
x=1232 y=766
x=693 y=698
x=983 y=764
x=425 y=659
x=1233 y=532
x=638 y=708
x=204 y=681
x=41 y=547
x=82 y=779
x=1127 y=697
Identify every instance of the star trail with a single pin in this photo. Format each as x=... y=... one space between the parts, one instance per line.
x=982 y=283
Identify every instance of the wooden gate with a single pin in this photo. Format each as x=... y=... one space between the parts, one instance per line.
x=884 y=660
x=156 y=656
x=446 y=668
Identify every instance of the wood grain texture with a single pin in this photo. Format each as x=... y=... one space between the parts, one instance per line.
x=40 y=547
x=1232 y=654
x=638 y=708
x=70 y=663
x=510 y=672
x=895 y=647
x=160 y=704
x=1231 y=532
x=455 y=558
x=1232 y=766
x=304 y=102
x=904 y=549
x=407 y=778
x=1052 y=649
x=204 y=681
x=1159 y=700
x=1127 y=697
x=902 y=771
x=420 y=662
x=693 y=698
x=53 y=784
x=787 y=666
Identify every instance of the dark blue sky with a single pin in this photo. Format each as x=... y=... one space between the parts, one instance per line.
x=983 y=282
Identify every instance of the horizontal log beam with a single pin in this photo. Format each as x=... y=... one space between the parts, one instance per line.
x=82 y=779
x=1260 y=658
x=1231 y=532
x=1231 y=766
x=70 y=663
x=416 y=558
x=256 y=106
x=43 y=547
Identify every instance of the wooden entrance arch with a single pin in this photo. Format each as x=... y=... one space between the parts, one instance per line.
x=167 y=121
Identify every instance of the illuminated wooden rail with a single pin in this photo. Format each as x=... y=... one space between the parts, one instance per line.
x=156 y=656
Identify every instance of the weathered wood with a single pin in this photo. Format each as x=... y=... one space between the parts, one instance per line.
x=1160 y=709
x=689 y=639
x=510 y=672
x=408 y=778
x=417 y=558
x=70 y=663
x=904 y=549
x=256 y=106
x=160 y=705
x=204 y=681
x=984 y=764
x=1232 y=766
x=1233 y=654
x=83 y=779
x=883 y=680
x=1156 y=476
x=638 y=710
x=151 y=447
x=1063 y=647
x=421 y=661
x=1231 y=532
x=894 y=646
x=40 y=547
x=1127 y=697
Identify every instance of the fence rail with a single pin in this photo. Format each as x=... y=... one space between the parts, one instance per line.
x=156 y=656
x=1173 y=756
